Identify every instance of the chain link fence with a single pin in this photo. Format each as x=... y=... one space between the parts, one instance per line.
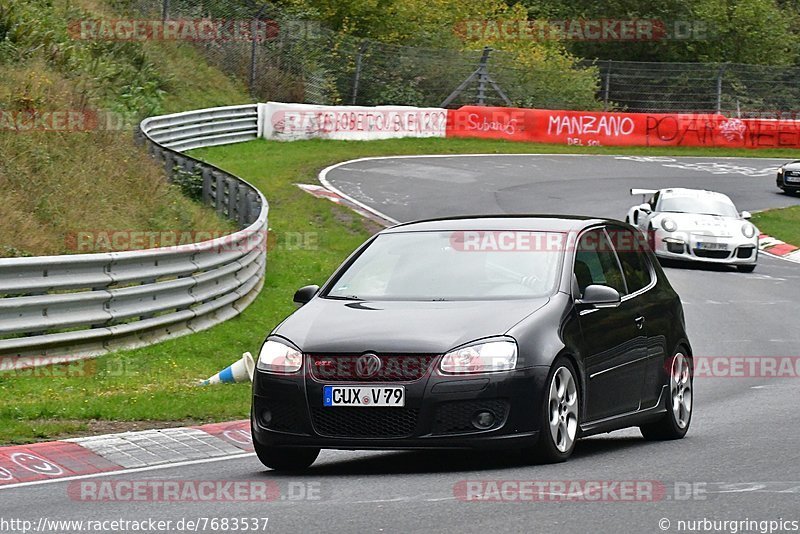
x=301 y=61
x=728 y=88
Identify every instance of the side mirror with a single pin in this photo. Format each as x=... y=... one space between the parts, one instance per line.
x=598 y=296
x=304 y=294
x=645 y=207
x=746 y=215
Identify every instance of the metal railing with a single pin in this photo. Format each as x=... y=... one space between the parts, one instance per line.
x=62 y=308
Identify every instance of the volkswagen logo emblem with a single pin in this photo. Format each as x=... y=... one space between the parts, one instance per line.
x=368 y=365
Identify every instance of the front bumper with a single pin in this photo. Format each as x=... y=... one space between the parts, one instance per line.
x=781 y=182
x=686 y=246
x=287 y=411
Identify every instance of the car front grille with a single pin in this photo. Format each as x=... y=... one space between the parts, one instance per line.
x=343 y=422
x=456 y=417
x=394 y=367
x=744 y=252
x=713 y=254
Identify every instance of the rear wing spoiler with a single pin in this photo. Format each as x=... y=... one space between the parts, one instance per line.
x=643 y=191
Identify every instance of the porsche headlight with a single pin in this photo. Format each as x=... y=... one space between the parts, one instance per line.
x=275 y=357
x=497 y=355
x=668 y=224
x=748 y=230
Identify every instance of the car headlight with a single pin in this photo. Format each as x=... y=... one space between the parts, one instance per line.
x=668 y=224
x=748 y=230
x=276 y=357
x=498 y=355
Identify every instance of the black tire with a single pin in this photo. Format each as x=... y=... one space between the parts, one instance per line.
x=285 y=458
x=667 y=427
x=545 y=451
x=746 y=268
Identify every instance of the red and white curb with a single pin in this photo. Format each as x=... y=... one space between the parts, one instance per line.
x=776 y=247
x=92 y=456
x=334 y=195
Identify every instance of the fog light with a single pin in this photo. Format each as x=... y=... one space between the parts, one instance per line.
x=483 y=420
x=266 y=418
x=676 y=246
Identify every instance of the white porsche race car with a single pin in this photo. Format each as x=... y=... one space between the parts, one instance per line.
x=698 y=225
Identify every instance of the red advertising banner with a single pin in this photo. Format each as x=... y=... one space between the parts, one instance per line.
x=592 y=128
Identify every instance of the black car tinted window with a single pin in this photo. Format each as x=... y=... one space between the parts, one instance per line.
x=596 y=263
x=630 y=251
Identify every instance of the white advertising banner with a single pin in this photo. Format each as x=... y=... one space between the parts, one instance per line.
x=291 y=122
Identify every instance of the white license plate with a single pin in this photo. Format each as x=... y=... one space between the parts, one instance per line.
x=364 y=396
x=712 y=246
x=792 y=179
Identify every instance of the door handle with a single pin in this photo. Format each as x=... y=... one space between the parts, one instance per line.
x=639 y=322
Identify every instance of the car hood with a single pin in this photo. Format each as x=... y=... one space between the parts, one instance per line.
x=711 y=224
x=326 y=325
x=793 y=166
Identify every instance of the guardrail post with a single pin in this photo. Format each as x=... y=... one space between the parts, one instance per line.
x=220 y=194
x=233 y=199
x=207 y=176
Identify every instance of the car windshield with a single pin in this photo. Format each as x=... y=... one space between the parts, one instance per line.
x=454 y=265
x=705 y=206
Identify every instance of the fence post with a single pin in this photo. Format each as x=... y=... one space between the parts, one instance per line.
x=720 y=73
x=357 y=76
x=254 y=49
x=607 y=85
x=164 y=10
x=483 y=75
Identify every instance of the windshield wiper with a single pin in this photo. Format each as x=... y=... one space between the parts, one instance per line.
x=343 y=297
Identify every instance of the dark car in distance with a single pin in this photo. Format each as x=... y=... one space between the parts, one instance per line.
x=788 y=177
x=514 y=332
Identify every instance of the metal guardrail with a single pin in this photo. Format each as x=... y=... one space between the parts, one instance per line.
x=62 y=308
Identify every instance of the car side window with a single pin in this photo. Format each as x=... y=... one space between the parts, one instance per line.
x=654 y=201
x=630 y=251
x=596 y=262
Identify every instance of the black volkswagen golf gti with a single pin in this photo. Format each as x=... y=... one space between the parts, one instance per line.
x=516 y=332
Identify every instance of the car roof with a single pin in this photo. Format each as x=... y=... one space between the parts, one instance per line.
x=533 y=222
x=693 y=193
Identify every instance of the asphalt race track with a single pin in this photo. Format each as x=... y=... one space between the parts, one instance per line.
x=740 y=460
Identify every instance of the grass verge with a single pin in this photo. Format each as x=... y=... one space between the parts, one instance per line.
x=783 y=223
x=70 y=181
x=311 y=236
